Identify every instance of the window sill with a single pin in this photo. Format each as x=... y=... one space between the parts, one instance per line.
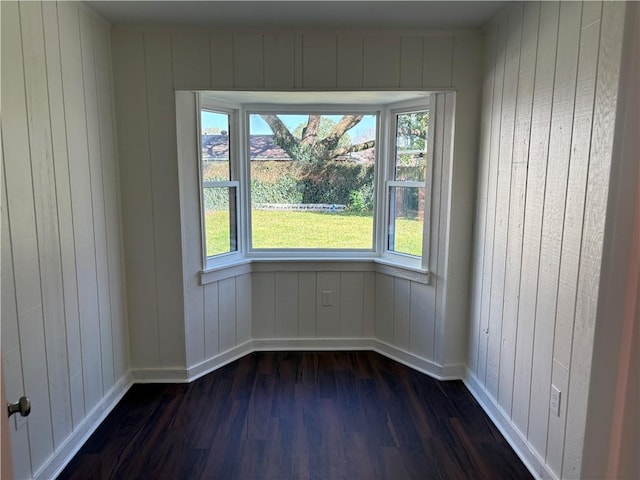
x=266 y=265
x=408 y=272
x=225 y=269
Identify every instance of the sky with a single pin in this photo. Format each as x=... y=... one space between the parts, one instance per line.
x=259 y=127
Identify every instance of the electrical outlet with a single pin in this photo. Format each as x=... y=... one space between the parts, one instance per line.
x=556 y=395
x=327 y=298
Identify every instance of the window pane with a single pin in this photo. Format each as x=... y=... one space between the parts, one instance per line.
x=220 y=220
x=406 y=220
x=215 y=146
x=312 y=180
x=411 y=146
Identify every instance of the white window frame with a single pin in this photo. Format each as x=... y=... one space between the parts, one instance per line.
x=234 y=175
x=305 y=109
x=422 y=262
x=384 y=171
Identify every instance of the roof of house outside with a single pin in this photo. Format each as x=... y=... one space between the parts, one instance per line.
x=262 y=148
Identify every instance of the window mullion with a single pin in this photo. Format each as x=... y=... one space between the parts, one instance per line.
x=426 y=234
x=203 y=228
x=406 y=183
x=242 y=129
x=230 y=183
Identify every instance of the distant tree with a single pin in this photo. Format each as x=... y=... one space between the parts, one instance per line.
x=412 y=133
x=313 y=144
x=368 y=156
x=413 y=129
x=211 y=131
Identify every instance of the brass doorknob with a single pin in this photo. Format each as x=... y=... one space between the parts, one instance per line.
x=22 y=406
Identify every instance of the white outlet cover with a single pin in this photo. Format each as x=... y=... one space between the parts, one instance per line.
x=327 y=298
x=556 y=395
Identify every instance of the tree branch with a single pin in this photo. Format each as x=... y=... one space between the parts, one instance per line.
x=284 y=138
x=326 y=149
x=338 y=152
x=346 y=123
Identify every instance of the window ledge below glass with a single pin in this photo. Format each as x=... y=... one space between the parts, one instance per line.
x=243 y=266
x=400 y=270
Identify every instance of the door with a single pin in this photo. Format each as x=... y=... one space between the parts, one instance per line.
x=6 y=464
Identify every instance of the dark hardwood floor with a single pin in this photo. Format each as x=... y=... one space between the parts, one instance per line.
x=330 y=415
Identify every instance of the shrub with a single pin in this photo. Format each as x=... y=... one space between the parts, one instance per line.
x=272 y=171
x=283 y=190
x=215 y=171
x=361 y=200
x=215 y=199
x=333 y=182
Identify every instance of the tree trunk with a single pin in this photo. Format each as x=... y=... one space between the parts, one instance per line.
x=324 y=150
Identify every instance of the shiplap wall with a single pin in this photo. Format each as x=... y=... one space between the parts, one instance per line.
x=172 y=327
x=64 y=341
x=549 y=95
x=612 y=434
x=290 y=304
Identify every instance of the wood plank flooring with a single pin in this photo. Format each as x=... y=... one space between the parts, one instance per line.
x=286 y=415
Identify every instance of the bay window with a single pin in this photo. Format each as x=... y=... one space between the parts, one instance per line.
x=284 y=178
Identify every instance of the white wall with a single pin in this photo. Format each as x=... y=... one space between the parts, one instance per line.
x=612 y=433
x=290 y=306
x=549 y=94
x=64 y=341
x=172 y=330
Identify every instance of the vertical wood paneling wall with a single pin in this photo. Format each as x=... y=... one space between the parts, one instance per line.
x=549 y=95
x=288 y=305
x=64 y=340
x=612 y=433
x=172 y=328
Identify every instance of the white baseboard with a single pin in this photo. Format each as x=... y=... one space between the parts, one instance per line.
x=309 y=344
x=513 y=436
x=220 y=360
x=75 y=441
x=159 y=375
x=439 y=372
x=175 y=375
x=182 y=375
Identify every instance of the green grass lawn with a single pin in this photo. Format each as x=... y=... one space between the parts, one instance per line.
x=278 y=229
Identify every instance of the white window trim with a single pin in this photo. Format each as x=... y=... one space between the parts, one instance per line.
x=233 y=257
x=305 y=253
x=398 y=258
x=223 y=271
x=415 y=268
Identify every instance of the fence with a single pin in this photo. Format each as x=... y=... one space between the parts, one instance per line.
x=301 y=207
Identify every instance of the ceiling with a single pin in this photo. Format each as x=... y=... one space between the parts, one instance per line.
x=310 y=14
x=367 y=98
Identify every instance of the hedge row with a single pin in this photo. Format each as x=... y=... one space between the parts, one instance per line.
x=343 y=183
